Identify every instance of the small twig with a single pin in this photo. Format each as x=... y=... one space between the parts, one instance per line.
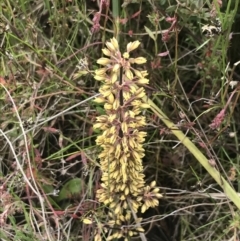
x=142 y=235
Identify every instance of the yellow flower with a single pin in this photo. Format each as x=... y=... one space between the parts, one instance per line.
x=114 y=78
x=98 y=126
x=111 y=98
x=126 y=55
x=116 y=104
x=104 y=61
x=133 y=89
x=115 y=43
x=116 y=67
x=132 y=45
x=140 y=93
x=129 y=74
x=112 y=117
x=108 y=106
x=99 y=77
x=99 y=99
x=106 y=52
x=110 y=46
x=121 y=140
x=142 y=81
x=139 y=60
x=138 y=73
x=101 y=71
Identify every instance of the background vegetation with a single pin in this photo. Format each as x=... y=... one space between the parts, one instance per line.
x=49 y=172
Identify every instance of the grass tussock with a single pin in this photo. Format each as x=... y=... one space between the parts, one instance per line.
x=119 y=120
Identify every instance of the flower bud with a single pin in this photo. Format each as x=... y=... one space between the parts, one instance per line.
x=99 y=100
x=132 y=45
x=140 y=60
x=110 y=46
x=106 y=52
x=104 y=61
x=100 y=71
x=126 y=55
x=129 y=74
x=99 y=77
x=116 y=67
x=115 y=43
x=142 y=81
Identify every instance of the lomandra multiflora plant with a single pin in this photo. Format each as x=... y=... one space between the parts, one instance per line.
x=123 y=190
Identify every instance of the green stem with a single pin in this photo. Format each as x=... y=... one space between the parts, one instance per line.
x=116 y=11
x=228 y=190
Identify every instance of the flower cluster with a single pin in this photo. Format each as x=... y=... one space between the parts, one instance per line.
x=123 y=188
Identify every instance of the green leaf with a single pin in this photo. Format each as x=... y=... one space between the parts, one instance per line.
x=150 y=33
x=171 y=9
x=162 y=2
x=50 y=189
x=71 y=188
x=100 y=110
